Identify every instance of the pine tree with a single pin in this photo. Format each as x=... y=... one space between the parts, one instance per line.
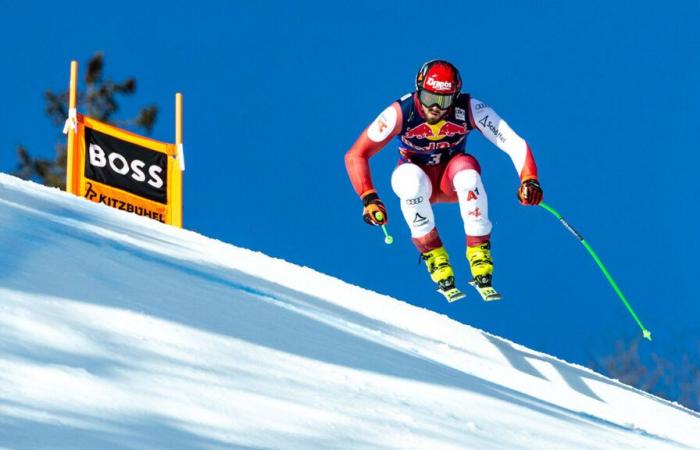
x=98 y=100
x=673 y=374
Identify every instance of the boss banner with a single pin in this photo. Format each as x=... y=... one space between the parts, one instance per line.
x=126 y=171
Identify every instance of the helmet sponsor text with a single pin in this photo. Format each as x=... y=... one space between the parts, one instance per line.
x=439 y=85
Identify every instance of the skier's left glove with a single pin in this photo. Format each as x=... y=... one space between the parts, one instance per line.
x=530 y=192
x=374 y=212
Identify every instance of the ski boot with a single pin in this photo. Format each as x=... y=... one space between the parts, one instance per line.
x=441 y=272
x=481 y=265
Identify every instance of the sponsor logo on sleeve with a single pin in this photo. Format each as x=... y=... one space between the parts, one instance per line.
x=486 y=123
x=383 y=125
x=460 y=114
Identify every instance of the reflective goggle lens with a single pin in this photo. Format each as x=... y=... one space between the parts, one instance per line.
x=429 y=99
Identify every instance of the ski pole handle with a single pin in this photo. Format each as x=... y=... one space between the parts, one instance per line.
x=388 y=239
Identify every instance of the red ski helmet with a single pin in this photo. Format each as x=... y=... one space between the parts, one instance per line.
x=438 y=82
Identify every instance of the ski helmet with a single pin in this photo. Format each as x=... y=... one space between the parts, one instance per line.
x=438 y=83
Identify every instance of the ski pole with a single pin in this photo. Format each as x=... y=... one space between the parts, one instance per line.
x=646 y=333
x=387 y=238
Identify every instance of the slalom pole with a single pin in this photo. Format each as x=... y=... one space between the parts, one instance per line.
x=646 y=333
x=388 y=239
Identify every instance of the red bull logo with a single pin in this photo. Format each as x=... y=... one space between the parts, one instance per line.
x=450 y=129
x=435 y=132
x=422 y=131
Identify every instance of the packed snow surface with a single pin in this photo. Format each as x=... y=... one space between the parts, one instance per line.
x=120 y=332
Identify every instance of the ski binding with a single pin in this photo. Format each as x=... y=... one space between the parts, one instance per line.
x=448 y=290
x=482 y=283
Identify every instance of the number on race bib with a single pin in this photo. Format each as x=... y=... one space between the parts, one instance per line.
x=435 y=159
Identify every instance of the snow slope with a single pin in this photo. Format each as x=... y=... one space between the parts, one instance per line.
x=119 y=332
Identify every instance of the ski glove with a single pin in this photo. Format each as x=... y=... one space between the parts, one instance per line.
x=530 y=192
x=374 y=212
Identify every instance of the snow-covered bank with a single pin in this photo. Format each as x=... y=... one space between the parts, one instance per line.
x=119 y=332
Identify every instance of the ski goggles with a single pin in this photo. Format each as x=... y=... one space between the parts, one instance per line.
x=429 y=99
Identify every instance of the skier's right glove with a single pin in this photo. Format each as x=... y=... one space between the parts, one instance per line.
x=374 y=212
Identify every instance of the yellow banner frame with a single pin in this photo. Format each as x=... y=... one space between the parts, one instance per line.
x=78 y=184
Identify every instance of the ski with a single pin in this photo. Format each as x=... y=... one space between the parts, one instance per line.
x=448 y=290
x=482 y=284
x=451 y=294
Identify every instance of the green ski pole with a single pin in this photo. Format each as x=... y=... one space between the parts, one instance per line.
x=646 y=333
x=387 y=238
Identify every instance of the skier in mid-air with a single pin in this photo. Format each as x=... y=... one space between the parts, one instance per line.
x=432 y=124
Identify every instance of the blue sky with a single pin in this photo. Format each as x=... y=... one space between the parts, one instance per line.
x=276 y=92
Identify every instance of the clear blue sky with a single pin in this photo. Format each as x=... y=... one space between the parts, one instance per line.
x=606 y=93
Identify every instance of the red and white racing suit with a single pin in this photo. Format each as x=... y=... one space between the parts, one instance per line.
x=434 y=166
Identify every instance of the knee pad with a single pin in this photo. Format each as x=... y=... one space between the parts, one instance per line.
x=409 y=181
x=467 y=180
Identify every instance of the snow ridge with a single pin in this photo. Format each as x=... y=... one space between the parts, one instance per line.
x=120 y=332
